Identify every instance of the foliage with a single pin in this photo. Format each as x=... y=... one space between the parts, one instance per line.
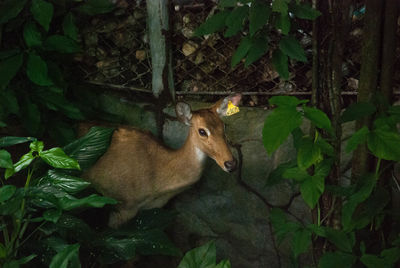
x=364 y=203
x=40 y=222
x=41 y=35
x=265 y=26
x=203 y=257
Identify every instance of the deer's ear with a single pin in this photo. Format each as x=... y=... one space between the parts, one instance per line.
x=183 y=112
x=221 y=106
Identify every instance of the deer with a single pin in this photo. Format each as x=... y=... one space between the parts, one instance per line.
x=142 y=173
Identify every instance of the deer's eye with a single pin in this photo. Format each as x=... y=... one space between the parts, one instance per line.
x=202 y=132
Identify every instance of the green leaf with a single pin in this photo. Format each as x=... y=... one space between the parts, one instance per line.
x=88 y=149
x=9 y=68
x=323 y=168
x=280 y=6
x=11 y=140
x=384 y=144
x=241 y=51
x=37 y=70
x=9 y=53
x=32 y=35
x=259 y=16
x=61 y=44
x=13 y=204
x=9 y=9
x=56 y=157
x=308 y=153
x=68 y=202
x=69 y=27
x=52 y=215
x=297 y=174
x=36 y=146
x=18 y=263
x=301 y=242
x=95 y=7
x=311 y=190
x=391 y=255
x=281 y=225
x=292 y=48
x=67 y=183
x=289 y=101
x=372 y=261
x=277 y=174
x=337 y=259
x=235 y=20
x=357 y=111
x=368 y=183
x=304 y=11
x=5 y=159
x=6 y=192
x=258 y=49
x=113 y=249
x=360 y=136
x=64 y=257
x=339 y=239
x=23 y=162
x=153 y=242
x=318 y=118
x=42 y=12
x=224 y=264
x=282 y=23
x=325 y=147
x=278 y=125
x=213 y=24
x=280 y=63
x=227 y=3
x=201 y=257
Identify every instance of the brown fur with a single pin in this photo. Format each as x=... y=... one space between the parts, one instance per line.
x=142 y=173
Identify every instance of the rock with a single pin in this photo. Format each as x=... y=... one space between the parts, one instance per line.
x=189 y=48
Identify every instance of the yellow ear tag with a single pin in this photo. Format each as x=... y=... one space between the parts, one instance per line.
x=232 y=109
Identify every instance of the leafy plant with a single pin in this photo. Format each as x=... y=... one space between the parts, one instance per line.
x=40 y=222
x=364 y=203
x=265 y=26
x=33 y=84
x=203 y=257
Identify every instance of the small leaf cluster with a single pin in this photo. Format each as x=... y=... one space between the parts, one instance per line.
x=364 y=203
x=33 y=87
x=40 y=223
x=265 y=25
x=203 y=256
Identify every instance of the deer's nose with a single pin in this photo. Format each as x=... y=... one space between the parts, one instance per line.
x=230 y=165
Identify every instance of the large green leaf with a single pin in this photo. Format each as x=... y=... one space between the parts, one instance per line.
x=67 y=183
x=241 y=51
x=68 y=202
x=5 y=159
x=201 y=257
x=32 y=34
x=213 y=24
x=88 y=149
x=95 y=7
x=23 y=162
x=69 y=27
x=6 y=192
x=52 y=215
x=337 y=259
x=42 y=12
x=360 y=136
x=297 y=174
x=280 y=63
x=278 y=125
x=19 y=262
x=11 y=140
x=304 y=11
x=301 y=242
x=112 y=249
x=318 y=118
x=9 y=9
x=282 y=227
x=280 y=6
x=259 y=16
x=340 y=239
x=56 y=158
x=289 y=101
x=311 y=190
x=277 y=174
x=258 y=49
x=9 y=68
x=61 y=44
x=384 y=144
x=357 y=111
x=308 y=153
x=292 y=48
x=235 y=20
x=36 y=70
x=69 y=254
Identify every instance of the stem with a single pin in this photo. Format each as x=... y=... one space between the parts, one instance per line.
x=318 y=215
x=378 y=165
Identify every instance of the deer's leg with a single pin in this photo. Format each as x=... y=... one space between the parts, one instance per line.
x=122 y=215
